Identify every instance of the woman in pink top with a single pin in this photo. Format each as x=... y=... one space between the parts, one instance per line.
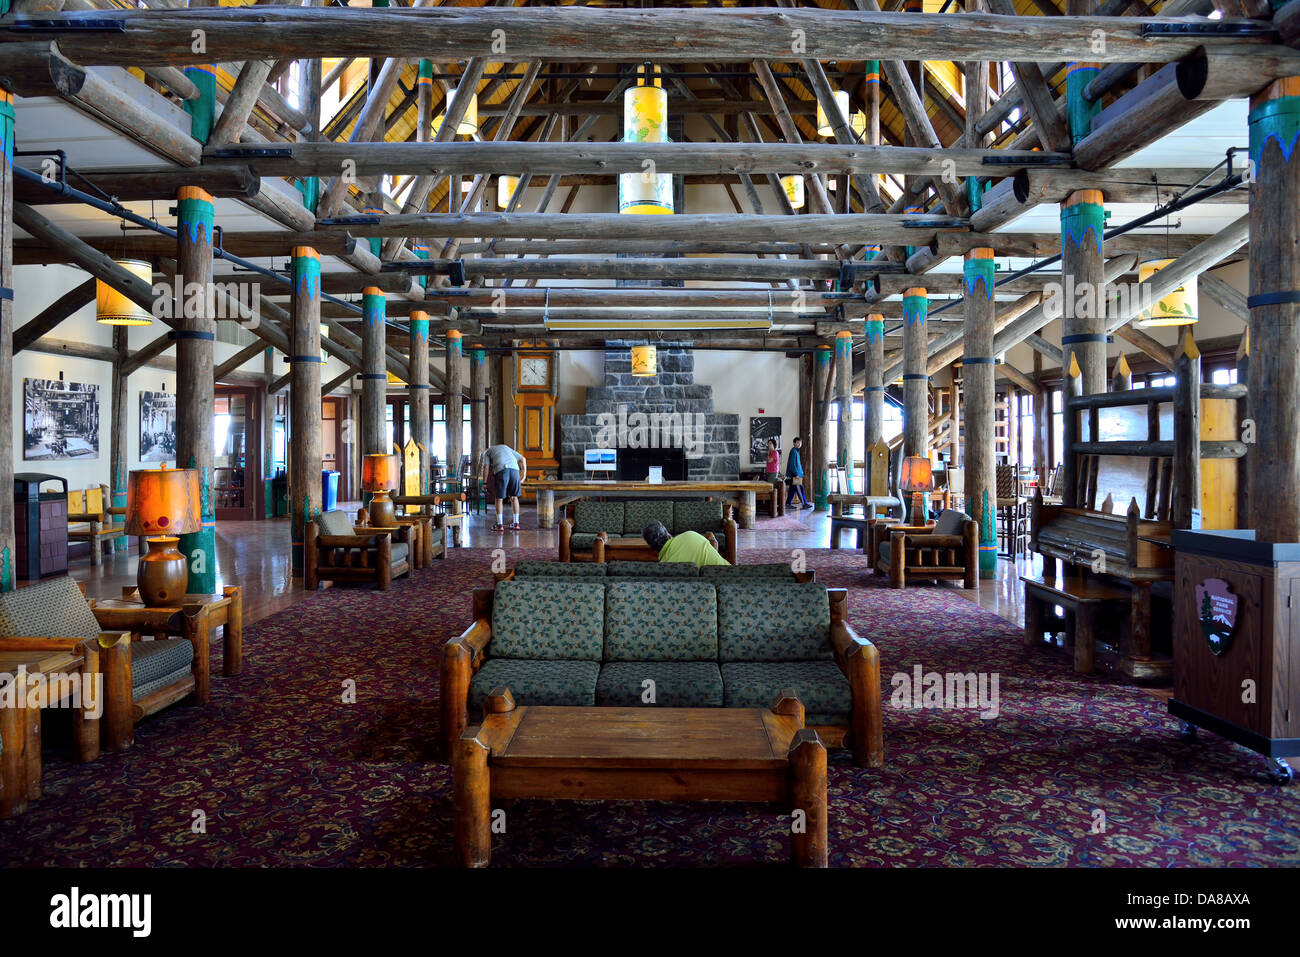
x=772 y=472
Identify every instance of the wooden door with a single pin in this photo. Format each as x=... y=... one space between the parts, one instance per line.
x=237 y=474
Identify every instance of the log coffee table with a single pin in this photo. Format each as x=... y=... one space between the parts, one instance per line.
x=640 y=754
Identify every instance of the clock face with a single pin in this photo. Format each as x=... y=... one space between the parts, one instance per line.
x=533 y=371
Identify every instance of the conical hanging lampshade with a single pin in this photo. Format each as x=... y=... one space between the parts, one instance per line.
x=645 y=120
x=114 y=309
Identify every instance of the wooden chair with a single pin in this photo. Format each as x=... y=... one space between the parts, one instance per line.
x=93 y=518
x=1013 y=508
x=338 y=551
x=947 y=549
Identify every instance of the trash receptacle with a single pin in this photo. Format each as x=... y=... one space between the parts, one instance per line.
x=40 y=526
x=329 y=490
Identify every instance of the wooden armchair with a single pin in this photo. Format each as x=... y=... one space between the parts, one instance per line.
x=336 y=550
x=947 y=549
x=93 y=518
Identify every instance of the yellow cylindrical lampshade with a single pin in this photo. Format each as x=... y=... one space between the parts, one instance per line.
x=114 y=309
x=645 y=360
x=916 y=474
x=1177 y=308
x=379 y=472
x=794 y=190
x=824 y=127
x=163 y=502
x=468 y=123
x=505 y=189
x=645 y=120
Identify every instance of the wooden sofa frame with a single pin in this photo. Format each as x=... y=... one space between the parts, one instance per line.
x=916 y=550
x=365 y=555
x=856 y=657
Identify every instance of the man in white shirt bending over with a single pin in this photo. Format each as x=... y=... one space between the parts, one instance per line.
x=508 y=469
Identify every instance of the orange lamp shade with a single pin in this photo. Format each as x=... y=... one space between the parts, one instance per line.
x=916 y=475
x=163 y=502
x=379 y=472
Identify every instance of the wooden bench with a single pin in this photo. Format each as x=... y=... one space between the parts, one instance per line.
x=91 y=518
x=839 y=523
x=1090 y=604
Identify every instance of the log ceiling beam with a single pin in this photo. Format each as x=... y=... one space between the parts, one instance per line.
x=53 y=314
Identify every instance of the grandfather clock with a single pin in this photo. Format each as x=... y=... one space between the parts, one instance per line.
x=536 y=387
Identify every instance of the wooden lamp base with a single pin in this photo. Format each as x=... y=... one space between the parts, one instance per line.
x=162 y=576
x=381 y=510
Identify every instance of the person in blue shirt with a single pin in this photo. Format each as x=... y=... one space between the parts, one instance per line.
x=793 y=470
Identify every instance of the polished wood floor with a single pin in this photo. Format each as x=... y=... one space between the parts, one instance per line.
x=255 y=555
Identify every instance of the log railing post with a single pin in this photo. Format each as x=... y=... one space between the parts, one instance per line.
x=304 y=399
x=977 y=383
x=195 y=334
x=1274 y=374
x=1187 y=431
x=418 y=389
x=1071 y=389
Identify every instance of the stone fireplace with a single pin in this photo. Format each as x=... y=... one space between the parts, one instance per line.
x=666 y=419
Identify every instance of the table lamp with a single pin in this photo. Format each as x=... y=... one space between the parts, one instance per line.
x=163 y=503
x=917 y=478
x=379 y=477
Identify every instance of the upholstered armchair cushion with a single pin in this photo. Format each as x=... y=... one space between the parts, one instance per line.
x=618 y=567
x=660 y=621
x=637 y=515
x=556 y=683
x=774 y=622
x=51 y=608
x=400 y=552
x=158 y=664
x=697 y=516
x=595 y=517
x=548 y=620
x=534 y=568
x=950 y=522
x=777 y=571
x=583 y=541
x=677 y=684
x=334 y=522
x=820 y=685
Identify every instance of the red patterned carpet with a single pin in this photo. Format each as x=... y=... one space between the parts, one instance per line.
x=1078 y=772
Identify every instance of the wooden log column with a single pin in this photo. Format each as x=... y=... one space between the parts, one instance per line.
x=1274 y=303
x=977 y=381
x=304 y=399
x=478 y=375
x=873 y=390
x=195 y=334
x=418 y=389
x=1083 y=318
x=818 y=454
x=844 y=402
x=1187 y=431
x=119 y=454
x=455 y=404
x=916 y=383
x=374 y=374
x=7 y=341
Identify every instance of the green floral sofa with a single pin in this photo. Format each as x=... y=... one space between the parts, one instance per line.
x=588 y=642
x=529 y=568
x=598 y=531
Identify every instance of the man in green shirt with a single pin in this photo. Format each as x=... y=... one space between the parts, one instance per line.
x=686 y=547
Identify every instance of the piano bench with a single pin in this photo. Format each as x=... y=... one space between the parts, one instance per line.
x=1089 y=604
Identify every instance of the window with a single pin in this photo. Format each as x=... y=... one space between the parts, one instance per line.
x=439 y=418
x=1224 y=376
x=1058 y=426
x=1026 y=430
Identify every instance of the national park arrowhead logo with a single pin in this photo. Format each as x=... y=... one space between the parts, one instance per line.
x=1218 y=613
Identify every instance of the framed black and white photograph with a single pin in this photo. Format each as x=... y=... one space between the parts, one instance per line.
x=60 y=420
x=762 y=428
x=157 y=426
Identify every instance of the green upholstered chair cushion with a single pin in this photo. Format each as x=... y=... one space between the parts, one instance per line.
x=598 y=517
x=820 y=685
x=732 y=573
x=159 y=663
x=554 y=620
x=950 y=522
x=558 y=683
x=533 y=568
x=677 y=684
x=885 y=551
x=637 y=515
x=52 y=608
x=619 y=568
x=696 y=517
x=775 y=621
x=582 y=541
x=334 y=522
x=660 y=621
